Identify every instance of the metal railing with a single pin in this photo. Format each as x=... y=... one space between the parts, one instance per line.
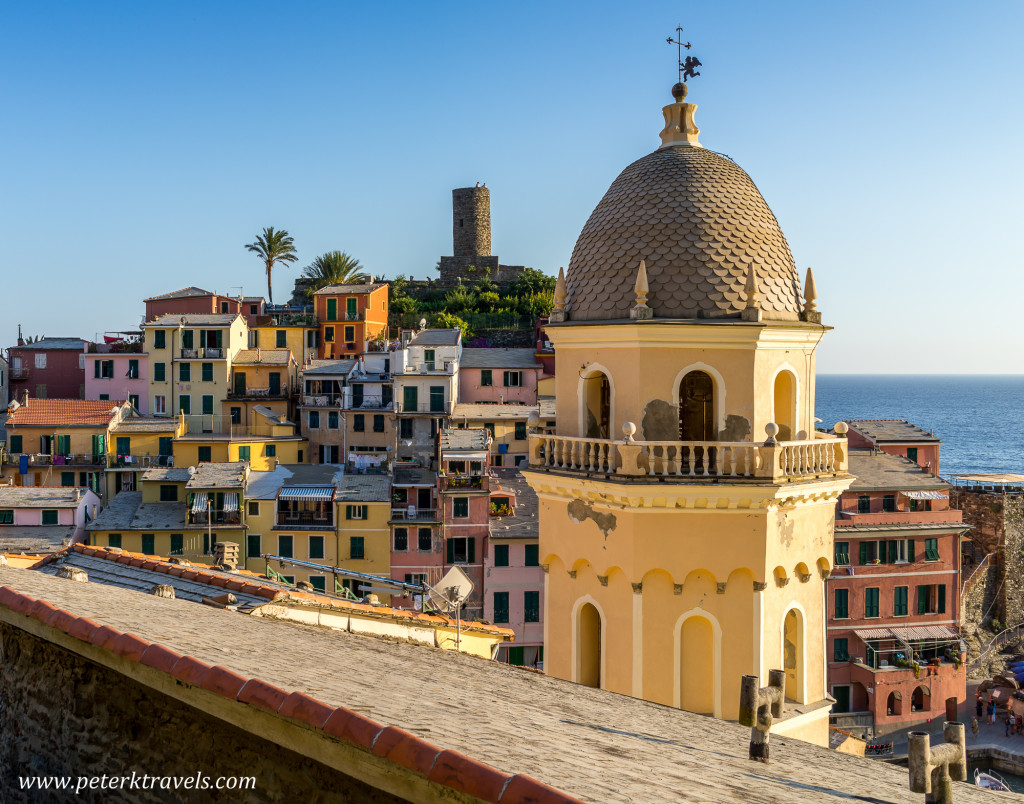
x=414 y=515
x=43 y=459
x=138 y=461
x=1000 y=639
x=262 y=391
x=208 y=352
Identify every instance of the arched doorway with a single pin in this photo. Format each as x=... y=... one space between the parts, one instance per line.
x=921 y=700
x=697 y=407
x=894 y=704
x=597 y=409
x=793 y=653
x=588 y=646
x=697 y=666
x=784 y=398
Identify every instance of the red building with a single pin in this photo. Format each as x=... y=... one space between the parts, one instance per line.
x=417 y=550
x=52 y=368
x=196 y=300
x=897 y=437
x=893 y=597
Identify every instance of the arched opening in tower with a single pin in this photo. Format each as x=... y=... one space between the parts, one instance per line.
x=793 y=655
x=598 y=411
x=697 y=666
x=697 y=407
x=784 y=399
x=588 y=647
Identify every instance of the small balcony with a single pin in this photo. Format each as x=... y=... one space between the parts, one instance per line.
x=693 y=461
x=20 y=373
x=43 y=459
x=205 y=353
x=442 y=367
x=323 y=400
x=435 y=407
x=465 y=483
x=138 y=461
x=214 y=518
x=267 y=392
x=304 y=520
x=413 y=514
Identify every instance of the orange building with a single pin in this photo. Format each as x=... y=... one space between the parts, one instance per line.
x=350 y=316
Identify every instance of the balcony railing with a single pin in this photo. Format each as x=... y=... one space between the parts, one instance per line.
x=428 y=367
x=322 y=400
x=217 y=424
x=686 y=460
x=409 y=514
x=42 y=459
x=217 y=517
x=303 y=520
x=19 y=373
x=138 y=461
x=422 y=407
x=468 y=482
x=208 y=353
x=267 y=392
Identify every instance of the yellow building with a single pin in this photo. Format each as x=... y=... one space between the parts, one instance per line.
x=268 y=440
x=190 y=359
x=135 y=444
x=506 y=425
x=686 y=501
x=321 y=515
x=298 y=333
x=261 y=378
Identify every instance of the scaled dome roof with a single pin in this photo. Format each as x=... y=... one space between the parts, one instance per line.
x=699 y=222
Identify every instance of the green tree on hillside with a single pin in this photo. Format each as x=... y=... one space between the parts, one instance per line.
x=333 y=268
x=273 y=246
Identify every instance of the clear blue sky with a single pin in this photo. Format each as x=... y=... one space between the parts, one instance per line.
x=144 y=143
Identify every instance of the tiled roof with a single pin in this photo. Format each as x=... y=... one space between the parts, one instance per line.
x=328 y=367
x=71 y=344
x=219 y=475
x=34 y=540
x=589 y=743
x=193 y=320
x=170 y=474
x=699 y=223
x=414 y=476
x=127 y=511
x=498 y=358
x=39 y=497
x=888 y=431
x=523 y=523
x=64 y=412
x=461 y=439
x=340 y=290
x=436 y=337
x=364 y=488
x=876 y=470
x=184 y=293
x=267 y=357
x=145 y=425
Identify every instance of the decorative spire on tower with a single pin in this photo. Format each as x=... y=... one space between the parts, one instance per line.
x=679 y=126
x=752 y=312
x=558 y=311
x=640 y=311
x=810 y=312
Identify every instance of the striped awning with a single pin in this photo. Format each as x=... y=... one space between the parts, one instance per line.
x=924 y=495
x=230 y=503
x=316 y=493
x=908 y=634
x=200 y=502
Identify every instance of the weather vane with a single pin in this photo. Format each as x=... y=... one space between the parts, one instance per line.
x=687 y=67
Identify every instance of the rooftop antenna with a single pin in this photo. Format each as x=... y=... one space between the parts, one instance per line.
x=687 y=67
x=449 y=594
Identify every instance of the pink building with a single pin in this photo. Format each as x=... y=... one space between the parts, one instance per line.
x=499 y=375
x=513 y=578
x=893 y=597
x=417 y=550
x=118 y=375
x=39 y=520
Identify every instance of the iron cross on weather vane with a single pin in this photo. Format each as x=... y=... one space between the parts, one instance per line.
x=687 y=67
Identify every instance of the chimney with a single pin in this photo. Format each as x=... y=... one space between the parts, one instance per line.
x=21 y=340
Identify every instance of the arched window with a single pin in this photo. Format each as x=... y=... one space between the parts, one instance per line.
x=588 y=646
x=793 y=653
x=597 y=410
x=894 y=704
x=921 y=700
x=697 y=407
x=784 y=397
x=697 y=666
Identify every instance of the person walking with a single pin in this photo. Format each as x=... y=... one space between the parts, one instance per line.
x=1009 y=720
x=991 y=711
x=980 y=706
x=974 y=726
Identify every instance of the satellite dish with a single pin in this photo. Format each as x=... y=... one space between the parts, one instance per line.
x=451 y=591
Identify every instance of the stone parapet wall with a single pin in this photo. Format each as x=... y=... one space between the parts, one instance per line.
x=984 y=513
x=1012 y=598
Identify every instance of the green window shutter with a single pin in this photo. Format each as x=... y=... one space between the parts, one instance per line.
x=220 y=339
x=187 y=338
x=893 y=551
x=158 y=372
x=350 y=305
x=348 y=512
x=205 y=454
x=922 y=599
x=96 y=368
x=114 y=540
x=486 y=378
x=207 y=372
x=185 y=372
x=471 y=556
x=7 y=517
x=332 y=309
x=501 y=607
x=49 y=518
x=910 y=550
x=252 y=545
x=410 y=398
x=133 y=369
x=67 y=478
x=501 y=555
x=451 y=551
x=63 y=445
x=532 y=555
x=243 y=453
x=166 y=445
x=863 y=552
x=148 y=544
x=16 y=443
x=942 y=598
x=124 y=445
x=159 y=339
x=177 y=544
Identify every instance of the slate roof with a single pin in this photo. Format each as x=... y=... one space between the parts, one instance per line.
x=874 y=470
x=34 y=539
x=219 y=475
x=145 y=425
x=262 y=357
x=523 y=524
x=328 y=367
x=436 y=337
x=169 y=474
x=893 y=431
x=184 y=293
x=498 y=358
x=127 y=511
x=264 y=485
x=193 y=320
x=699 y=222
x=341 y=289
x=488 y=411
x=71 y=344
x=39 y=497
x=64 y=413
x=464 y=439
x=414 y=476
x=364 y=488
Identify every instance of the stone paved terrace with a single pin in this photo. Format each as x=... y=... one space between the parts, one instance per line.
x=598 y=746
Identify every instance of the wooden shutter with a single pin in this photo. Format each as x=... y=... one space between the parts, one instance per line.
x=863 y=552
x=471 y=551
x=348 y=512
x=893 y=551
x=451 y=551
x=922 y=599
x=910 y=550
x=942 y=598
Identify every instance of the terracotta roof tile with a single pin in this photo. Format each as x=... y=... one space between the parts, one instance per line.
x=73 y=412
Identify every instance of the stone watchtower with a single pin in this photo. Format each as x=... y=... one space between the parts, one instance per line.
x=686 y=501
x=471 y=221
x=471 y=241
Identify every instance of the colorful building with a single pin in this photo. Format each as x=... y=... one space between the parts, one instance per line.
x=426 y=380
x=118 y=375
x=369 y=414
x=894 y=649
x=297 y=331
x=319 y=514
x=261 y=377
x=417 y=547
x=38 y=521
x=350 y=316
x=60 y=442
x=686 y=501
x=897 y=437
x=204 y=302
x=51 y=368
x=270 y=439
x=320 y=410
x=500 y=376
x=506 y=425
x=513 y=579
x=134 y=445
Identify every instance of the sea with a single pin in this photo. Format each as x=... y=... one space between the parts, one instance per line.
x=980 y=418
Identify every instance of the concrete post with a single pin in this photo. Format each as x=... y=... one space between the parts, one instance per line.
x=758 y=707
x=933 y=770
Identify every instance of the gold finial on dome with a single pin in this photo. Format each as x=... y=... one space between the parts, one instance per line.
x=752 y=312
x=640 y=310
x=558 y=311
x=679 y=126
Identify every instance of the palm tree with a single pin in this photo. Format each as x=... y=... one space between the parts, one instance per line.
x=333 y=268
x=273 y=246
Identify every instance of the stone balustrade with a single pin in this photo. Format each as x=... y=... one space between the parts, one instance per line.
x=782 y=461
